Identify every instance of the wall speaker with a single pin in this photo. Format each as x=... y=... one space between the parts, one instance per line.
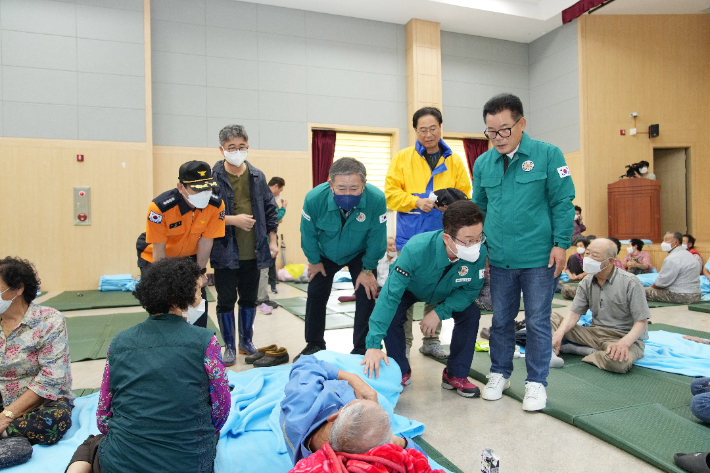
x=653 y=131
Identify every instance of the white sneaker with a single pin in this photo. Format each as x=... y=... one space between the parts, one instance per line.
x=535 y=396
x=495 y=387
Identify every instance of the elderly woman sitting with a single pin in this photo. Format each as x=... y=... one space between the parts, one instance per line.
x=637 y=261
x=164 y=395
x=35 y=373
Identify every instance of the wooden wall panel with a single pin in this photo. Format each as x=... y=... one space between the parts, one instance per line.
x=293 y=166
x=38 y=181
x=423 y=45
x=656 y=65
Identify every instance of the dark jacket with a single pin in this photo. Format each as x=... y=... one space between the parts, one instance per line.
x=225 y=253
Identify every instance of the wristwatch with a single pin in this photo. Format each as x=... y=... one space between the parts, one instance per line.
x=8 y=413
x=367 y=271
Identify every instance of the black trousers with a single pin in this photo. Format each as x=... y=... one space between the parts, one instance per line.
x=243 y=281
x=272 y=273
x=318 y=293
x=202 y=321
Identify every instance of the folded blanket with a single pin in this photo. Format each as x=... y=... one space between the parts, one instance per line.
x=705 y=288
x=116 y=282
x=647 y=279
x=251 y=440
x=342 y=276
x=670 y=352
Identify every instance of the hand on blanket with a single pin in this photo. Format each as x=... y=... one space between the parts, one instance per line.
x=361 y=388
x=696 y=339
x=618 y=351
x=373 y=356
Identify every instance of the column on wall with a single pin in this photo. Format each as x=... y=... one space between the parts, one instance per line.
x=423 y=45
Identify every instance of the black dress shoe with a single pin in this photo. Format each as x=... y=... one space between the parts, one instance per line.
x=693 y=462
x=309 y=350
x=272 y=358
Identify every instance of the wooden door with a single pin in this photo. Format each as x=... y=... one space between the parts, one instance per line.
x=669 y=167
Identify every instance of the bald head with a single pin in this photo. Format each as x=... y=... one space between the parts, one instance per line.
x=602 y=249
x=360 y=427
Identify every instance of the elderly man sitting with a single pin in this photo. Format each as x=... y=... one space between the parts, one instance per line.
x=326 y=404
x=678 y=281
x=614 y=340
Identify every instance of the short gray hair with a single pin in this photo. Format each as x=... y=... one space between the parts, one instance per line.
x=609 y=247
x=360 y=427
x=230 y=132
x=677 y=235
x=348 y=166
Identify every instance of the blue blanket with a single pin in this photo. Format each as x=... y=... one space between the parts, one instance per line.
x=251 y=440
x=670 y=352
x=117 y=282
x=705 y=288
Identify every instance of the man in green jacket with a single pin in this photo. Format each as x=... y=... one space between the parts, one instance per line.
x=343 y=223
x=444 y=268
x=525 y=189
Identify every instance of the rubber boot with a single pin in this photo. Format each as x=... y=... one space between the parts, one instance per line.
x=226 y=326
x=246 y=331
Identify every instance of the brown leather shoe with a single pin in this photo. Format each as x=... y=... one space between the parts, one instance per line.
x=272 y=358
x=259 y=353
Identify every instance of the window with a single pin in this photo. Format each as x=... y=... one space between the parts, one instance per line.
x=374 y=151
x=456 y=145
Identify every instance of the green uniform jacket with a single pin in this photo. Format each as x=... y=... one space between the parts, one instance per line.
x=323 y=234
x=419 y=269
x=529 y=209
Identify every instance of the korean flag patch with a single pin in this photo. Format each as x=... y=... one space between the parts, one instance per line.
x=154 y=217
x=563 y=171
x=383 y=218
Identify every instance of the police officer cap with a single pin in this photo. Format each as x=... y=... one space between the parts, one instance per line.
x=197 y=175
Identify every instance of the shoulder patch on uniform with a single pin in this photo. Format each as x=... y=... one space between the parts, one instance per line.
x=481 y=274
x=215 y=200
x=222 y=214
x=401 y=271
x=305 y=215
x=155 y=218
x=383 y=218
x=167 y=200
x=563 y=171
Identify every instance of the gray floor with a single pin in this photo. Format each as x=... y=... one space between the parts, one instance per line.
x=460 y=428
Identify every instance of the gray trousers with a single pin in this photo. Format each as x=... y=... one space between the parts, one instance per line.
x=263 y=294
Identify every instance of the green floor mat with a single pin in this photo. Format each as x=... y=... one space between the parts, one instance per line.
x=85 y=391
x=636 y=411
x=71 y=300
x=700 y=307
x=656 y=305
x=333 y=319
x=648 y=431
x=436 y=455
x=90 y=336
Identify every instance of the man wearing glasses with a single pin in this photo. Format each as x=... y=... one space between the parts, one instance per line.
x=525 y=189
x=413 y=175
x=444 y=268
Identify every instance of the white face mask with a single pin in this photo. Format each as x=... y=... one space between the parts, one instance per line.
x=393 y=254
x=592 y=266
x=666 y=247
x=235 y=158
x=630 y=249
x=194 y=313
x=4 y=305
x=581 y=250
x=685 y=247
x=468 y=253
x=644 y=170
x=199 y=200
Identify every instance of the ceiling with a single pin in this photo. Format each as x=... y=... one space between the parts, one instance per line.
x=522 y=21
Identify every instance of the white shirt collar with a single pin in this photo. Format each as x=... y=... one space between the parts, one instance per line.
x=511 y=154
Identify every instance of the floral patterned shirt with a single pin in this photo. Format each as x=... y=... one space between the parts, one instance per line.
x=36 y=356
x=219 y=390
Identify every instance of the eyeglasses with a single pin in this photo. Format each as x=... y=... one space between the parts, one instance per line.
x=503 y=132
x=468 y=243
x=426 y=131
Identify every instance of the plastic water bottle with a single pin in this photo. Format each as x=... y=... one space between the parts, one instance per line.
x=490 y=463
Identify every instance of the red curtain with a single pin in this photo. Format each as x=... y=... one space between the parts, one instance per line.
x=579 y=9
x=323 y=153
x=474 y=148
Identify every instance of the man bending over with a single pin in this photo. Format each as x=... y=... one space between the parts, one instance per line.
x=614 y=340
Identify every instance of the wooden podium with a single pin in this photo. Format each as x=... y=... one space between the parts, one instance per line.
x=634 y=209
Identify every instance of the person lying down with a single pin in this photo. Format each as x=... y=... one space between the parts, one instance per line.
x=331 y=417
